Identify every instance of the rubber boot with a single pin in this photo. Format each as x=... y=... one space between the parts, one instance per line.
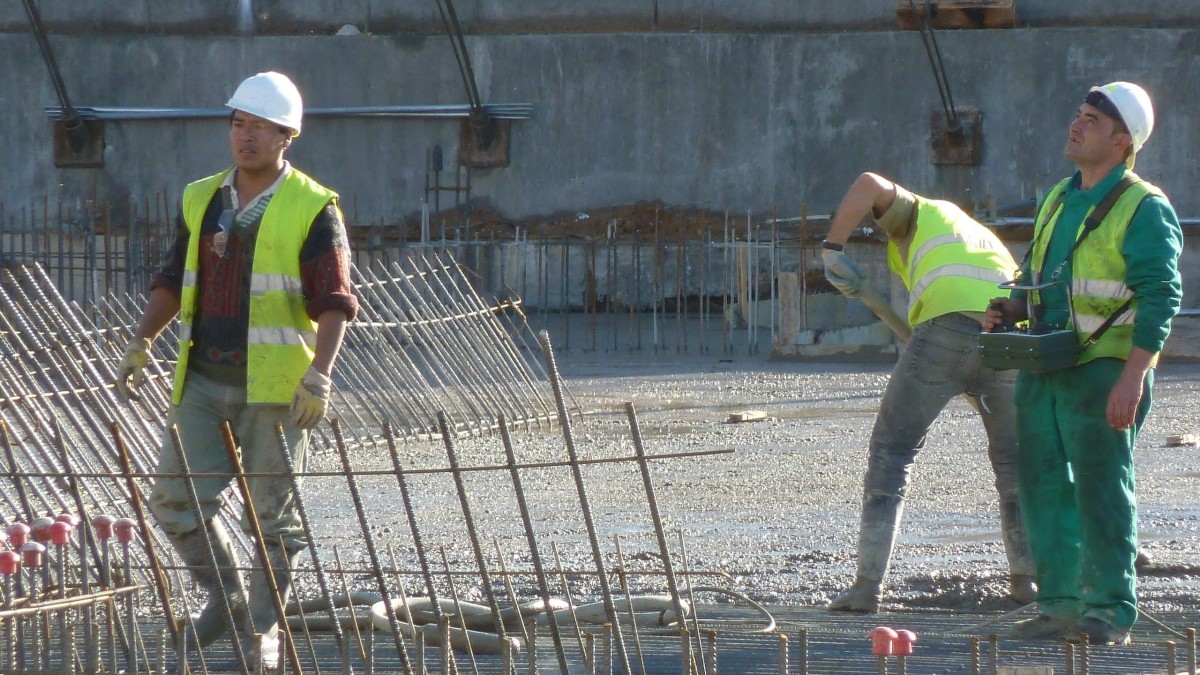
x=224 y=579
x=1021 y=575
x=876 y=537
x=263 y=630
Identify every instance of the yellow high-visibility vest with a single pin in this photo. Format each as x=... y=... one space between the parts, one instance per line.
x=953 y=264
x=281 y=340
x=1097 y=270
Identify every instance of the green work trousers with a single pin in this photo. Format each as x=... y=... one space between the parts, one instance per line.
x=1076 y=486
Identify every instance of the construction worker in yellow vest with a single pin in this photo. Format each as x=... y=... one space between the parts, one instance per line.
x=950 y=265
x=259 y=276
x=1078 y=425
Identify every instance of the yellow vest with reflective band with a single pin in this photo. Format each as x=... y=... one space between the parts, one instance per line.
x=281 y=339
x=953 y=265
x=1098 y=269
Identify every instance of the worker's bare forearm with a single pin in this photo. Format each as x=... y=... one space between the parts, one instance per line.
x=869 y=194
x=160 y=311
x=331 y=330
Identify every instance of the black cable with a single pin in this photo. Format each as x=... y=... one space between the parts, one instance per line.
x=44 y=44
x=942 y=85
x=460 y=55
x=462 y=44
x=941 y=64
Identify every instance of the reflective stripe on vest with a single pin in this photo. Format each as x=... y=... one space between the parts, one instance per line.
x=281 y=338
x=1097 y=269
x=954 y=263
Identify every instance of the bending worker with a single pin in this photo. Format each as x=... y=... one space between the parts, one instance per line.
x=259 y=277
x=950 y=265
x=1078 y=425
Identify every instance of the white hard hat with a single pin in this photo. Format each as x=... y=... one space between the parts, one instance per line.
x=271 y=96
x=1132 y=106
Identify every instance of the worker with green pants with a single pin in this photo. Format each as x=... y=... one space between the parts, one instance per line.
x=1114 y=240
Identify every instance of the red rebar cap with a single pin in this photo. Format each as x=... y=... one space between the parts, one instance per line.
x=10 y=562
x=104 y=526
x=68 y=518
x=38 y=528
x=60 y=533
x=881 y=641
x=18 y=534
x=126 y=529
x=904 y=642
x=31 y=554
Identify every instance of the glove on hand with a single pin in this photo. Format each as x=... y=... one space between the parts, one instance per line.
x=311 y=399
x=841 y=272
x=131 y=371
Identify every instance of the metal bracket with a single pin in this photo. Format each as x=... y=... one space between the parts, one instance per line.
x=962 y=146
x=483 y=144
x=76 y=150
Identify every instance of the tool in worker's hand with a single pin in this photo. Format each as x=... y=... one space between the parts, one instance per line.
x=848 y=279
x=881 y=308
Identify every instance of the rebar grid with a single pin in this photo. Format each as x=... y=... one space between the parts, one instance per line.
x=60 y=460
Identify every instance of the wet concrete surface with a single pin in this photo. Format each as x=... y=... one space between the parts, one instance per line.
x=775 y=517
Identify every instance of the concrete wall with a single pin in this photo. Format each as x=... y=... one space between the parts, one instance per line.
x=547 y=16
x=777 y=112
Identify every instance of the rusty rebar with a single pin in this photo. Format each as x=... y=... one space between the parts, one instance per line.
x=369 y=542
x=564 y=421
x=531 y=540
x=251 y=515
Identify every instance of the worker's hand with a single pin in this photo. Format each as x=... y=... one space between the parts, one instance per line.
x=1123 y=401
x=311 y=399
x=131 y=371
x=841 y=272
x=1003 y=312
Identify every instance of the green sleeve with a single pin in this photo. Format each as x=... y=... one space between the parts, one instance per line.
x=1151 y=250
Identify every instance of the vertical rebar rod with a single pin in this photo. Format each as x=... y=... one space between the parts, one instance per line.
x=683 y=560
x=531 y=539
x=458 y=609
x=251 y=515
x=156 y=571
x=322 y=583
x=91 y=658
x=562 y=578
x=564 y=421
x=469 y=521
x=994 y=654
x=369 y=542
x=221 y=591
x=712 y=651
x=411 y=515
x=508 y=588
x=782 y=646
x=341 y=573
x=622 y=574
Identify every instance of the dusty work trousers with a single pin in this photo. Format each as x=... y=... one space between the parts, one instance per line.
x=1077 y=491
x=942 y=361
x=204 y=406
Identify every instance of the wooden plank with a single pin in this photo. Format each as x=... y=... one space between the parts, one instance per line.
x=951 y=15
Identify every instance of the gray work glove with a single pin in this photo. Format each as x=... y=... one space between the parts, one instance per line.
x=131 y=371
x=841 y=272
x=311 y=399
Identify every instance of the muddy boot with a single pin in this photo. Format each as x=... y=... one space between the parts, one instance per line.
x=262 y=639
x=1022 y=588
x=876 y=536
x=1016 y=547
x=222 y=582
